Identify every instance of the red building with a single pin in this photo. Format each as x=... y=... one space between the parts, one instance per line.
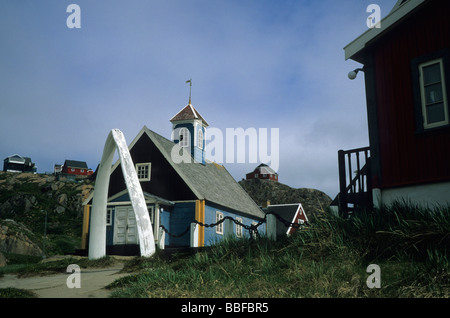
x=76 y=168
x=406 y=65
x=263 y=171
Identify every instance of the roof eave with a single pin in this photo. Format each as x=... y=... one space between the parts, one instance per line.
x=354 y=49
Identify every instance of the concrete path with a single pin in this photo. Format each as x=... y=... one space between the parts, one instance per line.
x=93 y=281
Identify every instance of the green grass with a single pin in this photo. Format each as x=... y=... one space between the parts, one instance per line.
x=16 y=293
x=328 y=259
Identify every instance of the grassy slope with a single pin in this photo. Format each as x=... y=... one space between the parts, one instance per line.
x=328 y=259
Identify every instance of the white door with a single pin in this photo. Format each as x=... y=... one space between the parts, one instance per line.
x=125 y=231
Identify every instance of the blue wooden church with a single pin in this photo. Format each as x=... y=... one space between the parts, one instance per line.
x=176 y=193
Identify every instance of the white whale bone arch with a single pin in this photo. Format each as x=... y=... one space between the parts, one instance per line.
x=97 y=235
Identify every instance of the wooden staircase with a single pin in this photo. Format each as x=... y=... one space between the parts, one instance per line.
x=355 y=189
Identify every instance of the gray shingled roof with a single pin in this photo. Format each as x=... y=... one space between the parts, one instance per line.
x=285 y=211
x=210 y=181
x=76 y=164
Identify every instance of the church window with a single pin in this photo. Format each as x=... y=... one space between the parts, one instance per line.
x=200 y=139
x=219 y=227
x=184 y=137
x=143 y=171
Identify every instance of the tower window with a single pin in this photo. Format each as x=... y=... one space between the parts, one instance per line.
x=200 y=139
x=184 y=137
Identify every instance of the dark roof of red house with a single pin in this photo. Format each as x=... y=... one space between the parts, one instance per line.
x=75 y=164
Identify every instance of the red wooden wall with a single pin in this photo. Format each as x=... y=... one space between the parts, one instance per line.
x=77 y=171
x=251 y=176
x=408 y=157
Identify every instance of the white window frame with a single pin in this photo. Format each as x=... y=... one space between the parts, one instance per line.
x=144 y=177
x=219 y=227
x=253 y=233
x=183 y=137
x=151 y=212
x=239 y=228
x=426 y=125
x=200 y=139
x=109 y=212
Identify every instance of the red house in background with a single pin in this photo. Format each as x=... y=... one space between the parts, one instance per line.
x=263 y=171
x=406 y=65
x=74 y=167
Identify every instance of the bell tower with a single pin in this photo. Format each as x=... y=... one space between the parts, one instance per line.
x=188 y=129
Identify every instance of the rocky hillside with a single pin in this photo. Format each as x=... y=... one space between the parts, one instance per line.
x=16 y=238
x=29 y=198
x=313 y=201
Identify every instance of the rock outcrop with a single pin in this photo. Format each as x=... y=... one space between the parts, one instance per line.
x=15 y=238
x=313 y=201
x=27 y=198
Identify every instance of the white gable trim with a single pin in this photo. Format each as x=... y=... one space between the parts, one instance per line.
x=299 y=211
x=193 y=111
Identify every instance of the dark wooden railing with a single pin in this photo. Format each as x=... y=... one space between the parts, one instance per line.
x=354 y=180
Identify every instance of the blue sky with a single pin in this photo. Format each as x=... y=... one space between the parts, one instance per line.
x=253 y=63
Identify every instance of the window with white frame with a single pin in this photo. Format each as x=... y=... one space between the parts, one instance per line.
x=109 y=216
x=200 y=139
x=151 y=212
x=433 y=94
x=184 y=137
x=143 y=171
x=254 y=233
x=239 y=227
x=219 y=227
